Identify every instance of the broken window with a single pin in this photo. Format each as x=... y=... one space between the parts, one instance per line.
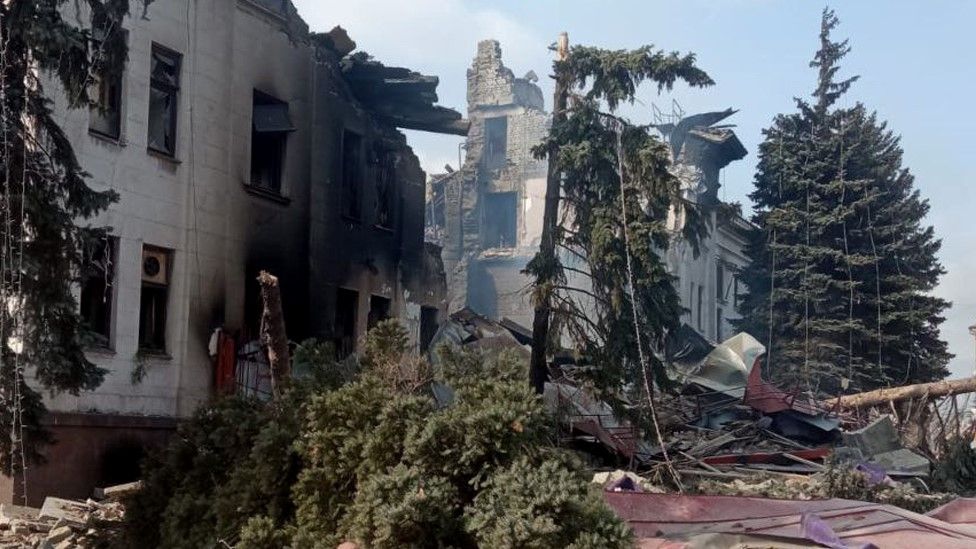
x=344 y=324
x=385 y=188
x=496 y=142
x=97 y=290
x=105 y=116
x=154 y=298
x=164 y=86
x=352 y=173
x=270 y=125
x=379 y=310
x=501 y=215
x=428 y=327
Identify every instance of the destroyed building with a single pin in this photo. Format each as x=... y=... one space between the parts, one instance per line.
x=490 y=210
x=488 y=214
x=708 y=284
x=238 y=142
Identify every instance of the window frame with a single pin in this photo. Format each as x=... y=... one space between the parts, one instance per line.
x=173 y=90
x=161 y=349
x=97 y=111
x=281 y=143
x=110 y=301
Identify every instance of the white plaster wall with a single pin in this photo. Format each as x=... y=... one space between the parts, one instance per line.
x=721 y=245
x=194 y=204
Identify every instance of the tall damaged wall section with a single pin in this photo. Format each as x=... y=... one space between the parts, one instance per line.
x=492 y=206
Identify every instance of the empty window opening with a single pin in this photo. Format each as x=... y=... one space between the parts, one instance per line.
x=496 y=142
x=270 y=126
x=154 y=299
x=352 y=173
x=344 y=325
x=735 y=291
x=164 y=87
x=720 y=290
x=719 y=318
x=379 y=310
x=428 y=327
x=105 y=116
x=698 y=311
x=97 y=290
x=385 y=188
x=501 y=215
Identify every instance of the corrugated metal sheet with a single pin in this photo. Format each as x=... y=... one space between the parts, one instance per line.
x=672 y=520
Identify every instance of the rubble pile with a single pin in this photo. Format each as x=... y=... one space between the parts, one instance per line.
x=63 y=523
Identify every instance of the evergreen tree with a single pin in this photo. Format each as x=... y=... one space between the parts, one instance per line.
x=609 y=281
x=842 y=265
x=43 y=197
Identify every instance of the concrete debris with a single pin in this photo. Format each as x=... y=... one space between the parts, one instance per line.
x=341 y=43
x=877 y=437
x=116 y=493
x=63 y=523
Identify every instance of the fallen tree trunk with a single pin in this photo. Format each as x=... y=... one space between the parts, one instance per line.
x=273 y=331
x=896 y=394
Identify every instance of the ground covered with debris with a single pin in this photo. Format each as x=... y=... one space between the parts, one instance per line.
x=67 y=524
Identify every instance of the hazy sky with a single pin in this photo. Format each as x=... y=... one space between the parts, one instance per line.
x=916 y=60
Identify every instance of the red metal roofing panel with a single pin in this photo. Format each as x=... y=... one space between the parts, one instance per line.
x=959 y=511
x=679 y=517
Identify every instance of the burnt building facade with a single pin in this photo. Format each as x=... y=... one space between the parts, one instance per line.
x=238 y=141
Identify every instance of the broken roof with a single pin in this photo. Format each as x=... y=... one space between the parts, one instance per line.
x=400 y=96
x=724 y=145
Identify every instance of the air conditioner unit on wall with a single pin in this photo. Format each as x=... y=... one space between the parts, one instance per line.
x=155 y=266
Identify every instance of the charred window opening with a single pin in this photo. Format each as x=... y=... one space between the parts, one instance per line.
x=105 y=115
x=385 y=187
x=428 y=327
x=154 y=299
x=164 y=87
x=97 y=290
x=496 y=142
x=501 y=215
x=344 y=324
x=352 y=173
x=379 y=310
x=270 y=126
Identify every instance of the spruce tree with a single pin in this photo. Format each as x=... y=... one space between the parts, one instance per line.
x=44 y=201
x=842 y=264
x=609 y=281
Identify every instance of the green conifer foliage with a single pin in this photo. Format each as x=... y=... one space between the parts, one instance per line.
x=588 y=282
x=378 y=462
x=45 y=200
x=842 y=264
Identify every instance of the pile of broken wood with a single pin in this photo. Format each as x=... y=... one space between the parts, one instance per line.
x=63 y=523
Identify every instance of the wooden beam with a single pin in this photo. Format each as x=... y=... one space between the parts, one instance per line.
x=273 y=335
x=896 y=394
